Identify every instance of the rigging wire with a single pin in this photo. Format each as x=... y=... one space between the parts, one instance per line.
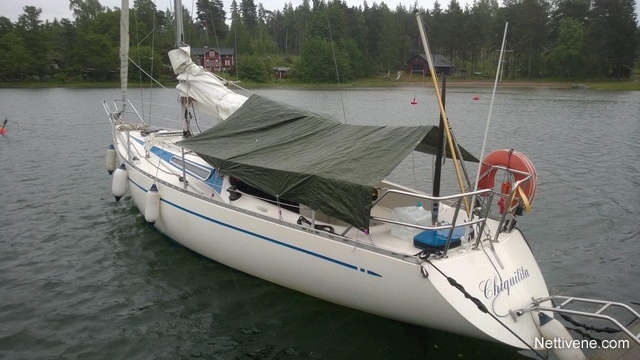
x=335 y=63
x=215 y=34
x=153 y=44
x=493 y=95
x=138 y=41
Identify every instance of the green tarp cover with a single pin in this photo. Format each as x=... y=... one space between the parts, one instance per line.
x=308 y=158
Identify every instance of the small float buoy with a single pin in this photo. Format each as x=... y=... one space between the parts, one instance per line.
x=152 y=205
x=476 y=98
x=119 y=183
x=3 y=131
x=552 y=329
x=414 y=102
x=111 y=159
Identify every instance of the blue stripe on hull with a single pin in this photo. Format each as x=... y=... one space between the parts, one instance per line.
x=262 y=237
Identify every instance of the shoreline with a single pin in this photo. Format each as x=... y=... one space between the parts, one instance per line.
x=620 y=85
x=489 y=83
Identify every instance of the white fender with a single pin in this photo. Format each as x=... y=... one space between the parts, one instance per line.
x=152 y=205
x=552 y=329
x=119 y=183
x=111 y=159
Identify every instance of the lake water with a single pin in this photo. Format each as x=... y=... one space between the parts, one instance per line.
x=82 y=276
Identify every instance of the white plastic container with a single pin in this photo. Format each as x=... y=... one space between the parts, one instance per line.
x=411 y=215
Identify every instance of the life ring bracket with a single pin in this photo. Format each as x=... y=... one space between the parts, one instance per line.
x=522 y=177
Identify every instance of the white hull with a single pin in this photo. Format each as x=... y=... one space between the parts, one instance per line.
x=379 y=275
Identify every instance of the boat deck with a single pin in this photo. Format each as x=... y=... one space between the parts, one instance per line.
x=380 y=234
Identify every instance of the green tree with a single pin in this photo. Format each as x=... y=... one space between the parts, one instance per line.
x=613 y=34
x=146 y=59
x=249 y=13
x=453 y=30
x=29 y=28
x=85 y=11
x=389 y=42
x=253 y=68
x=484 y=14
x=318 y=65
x=350 y=60
x=211 y=15
x=528 y=34
x=62 y=35
x=435 y=26
x=568 y=55
x=14 y=58
x=5 y=26
x=143 y=20
x=95 y=56
x=356 y=45
x=563 y=9
x=238 y=36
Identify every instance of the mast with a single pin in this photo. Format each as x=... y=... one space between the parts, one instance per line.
x=186 y=127
x=124 y=52
x=179 y=22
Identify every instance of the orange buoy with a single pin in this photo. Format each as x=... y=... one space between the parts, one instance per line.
x=413 y=102
x=476 y=98
x=511 y=160
x=3 y=131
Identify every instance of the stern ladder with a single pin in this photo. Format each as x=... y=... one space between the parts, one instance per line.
x=537 y=305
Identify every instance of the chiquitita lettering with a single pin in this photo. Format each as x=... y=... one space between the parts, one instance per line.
x=492 y=287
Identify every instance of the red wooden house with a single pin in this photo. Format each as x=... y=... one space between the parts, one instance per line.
x=281 y=72
x=214 y=59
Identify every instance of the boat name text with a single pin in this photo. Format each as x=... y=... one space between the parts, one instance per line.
x=492 y=287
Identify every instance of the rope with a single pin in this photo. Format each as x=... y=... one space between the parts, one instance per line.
x=525 y=199
x=606 y=329
x=326 y=228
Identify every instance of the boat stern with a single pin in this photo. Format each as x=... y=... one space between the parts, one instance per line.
x=491 y=287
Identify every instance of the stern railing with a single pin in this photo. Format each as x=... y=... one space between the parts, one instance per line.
x=456 y=202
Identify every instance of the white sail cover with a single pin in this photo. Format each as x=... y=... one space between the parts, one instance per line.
x=208 y=93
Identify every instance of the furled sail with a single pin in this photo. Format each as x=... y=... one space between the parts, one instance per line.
x=207 y=92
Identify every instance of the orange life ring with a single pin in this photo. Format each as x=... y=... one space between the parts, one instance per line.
x=509 y=159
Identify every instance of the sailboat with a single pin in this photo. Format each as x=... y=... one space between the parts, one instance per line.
x=300 y=200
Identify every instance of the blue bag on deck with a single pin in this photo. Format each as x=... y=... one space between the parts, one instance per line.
x=437 y=239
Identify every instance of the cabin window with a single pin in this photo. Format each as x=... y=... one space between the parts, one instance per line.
x=191 y=168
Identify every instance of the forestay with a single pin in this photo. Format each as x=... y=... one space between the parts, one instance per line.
x=308 y=158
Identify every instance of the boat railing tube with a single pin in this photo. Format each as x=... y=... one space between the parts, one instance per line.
x=455 y=197
x=524 y=182
x=513 y=213
x=457 y=203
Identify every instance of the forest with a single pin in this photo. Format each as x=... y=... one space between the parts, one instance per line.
x=324 y=41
